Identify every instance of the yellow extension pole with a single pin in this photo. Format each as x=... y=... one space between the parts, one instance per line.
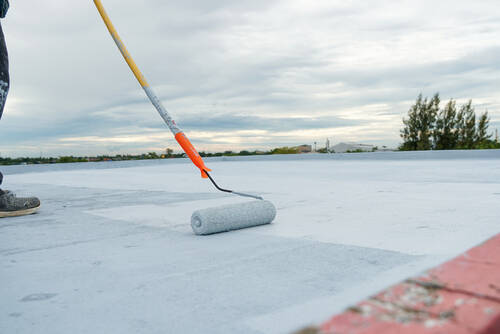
x=179 y=135
x=121 y=46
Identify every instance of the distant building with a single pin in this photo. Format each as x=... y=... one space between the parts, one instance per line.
x=385 y=149
x=344 y=147
x=304 y=148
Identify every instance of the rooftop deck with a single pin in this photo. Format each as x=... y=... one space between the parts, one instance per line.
x=112 y=251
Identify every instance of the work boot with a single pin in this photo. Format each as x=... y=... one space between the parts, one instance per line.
x=12 y=206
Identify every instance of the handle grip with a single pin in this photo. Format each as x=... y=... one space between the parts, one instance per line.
x=192 y=153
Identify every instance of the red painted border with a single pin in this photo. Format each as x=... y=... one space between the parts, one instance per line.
x=459 y=296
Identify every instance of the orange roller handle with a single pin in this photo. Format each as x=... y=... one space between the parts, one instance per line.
x=192 y=153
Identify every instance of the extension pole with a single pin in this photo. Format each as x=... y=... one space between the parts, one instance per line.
x=178 y=134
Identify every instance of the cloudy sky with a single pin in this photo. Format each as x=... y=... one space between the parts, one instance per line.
x=239 y=74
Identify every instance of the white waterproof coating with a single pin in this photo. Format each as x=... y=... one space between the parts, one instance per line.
x=232 y=217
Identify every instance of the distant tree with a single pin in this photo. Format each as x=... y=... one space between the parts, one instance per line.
x=245 y=152
x=482 y=136
x=67 y=159
x=410 y=131
x=428 y=123
x=445 y=134
x=460 y=128
x=419 y=127
x=152 y=155
x=448 y=128
x=285 y=150
x=468 y=129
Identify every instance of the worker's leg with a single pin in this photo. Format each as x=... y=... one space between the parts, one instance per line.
x=10 y=204
x=4 y=72
x=4 y=77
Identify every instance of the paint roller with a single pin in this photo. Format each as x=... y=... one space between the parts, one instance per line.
x=212 y=220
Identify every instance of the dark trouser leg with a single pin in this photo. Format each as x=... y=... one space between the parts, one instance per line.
x=4 y=72
x=4 y=76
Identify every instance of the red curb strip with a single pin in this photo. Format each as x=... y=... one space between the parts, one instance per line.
x=459 y=296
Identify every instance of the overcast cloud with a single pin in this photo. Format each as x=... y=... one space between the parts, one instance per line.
x=239 y=74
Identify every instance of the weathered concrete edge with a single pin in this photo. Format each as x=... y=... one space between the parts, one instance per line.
x=458 y=296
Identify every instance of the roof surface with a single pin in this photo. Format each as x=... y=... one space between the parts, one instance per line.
x=112 y=250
